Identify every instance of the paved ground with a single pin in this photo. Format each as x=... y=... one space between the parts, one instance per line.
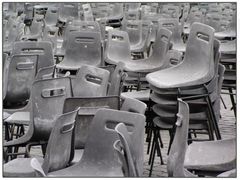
x=227 y=126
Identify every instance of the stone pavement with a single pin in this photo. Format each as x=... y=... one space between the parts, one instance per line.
x=227 y=125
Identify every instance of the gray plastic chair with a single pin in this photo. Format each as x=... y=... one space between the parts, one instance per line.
x=35 y=31
x=50 y=34
x=133 y=150
x=176 y=29
x=132 y=15
x=158 y=58
x=211 y=157
x=230 y=32
x=178 y=149
x=87 y=12
x=115 y=15
x=68 y=10
x=199 y=53
x=83 y=48
x=90 y=81
x=133 y=105
x=57 y=154
x=47 y=98
x=51 y=16
x=99 y=158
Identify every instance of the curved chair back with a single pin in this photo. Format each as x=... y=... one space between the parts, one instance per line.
x=42 y=49
x=134 y=30
x=19 y=77
x=116 y=80
x=175 y=162
x=59 y=144
x=50 y=33
x=161 y=44
x=99 y=144
x=87 y=12
x=133 y=105
x=117 y=40
x=195 y=17
x=88 y=107
x=199 y=50
x=68 y=10
x=132 y=15
x=51 y=16
x=90 y=81
x=126 y=156
x=83 y=48
x=47 y=101
x=173 y=25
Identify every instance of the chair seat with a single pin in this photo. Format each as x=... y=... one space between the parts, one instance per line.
x=179 y=76
x=228 y=47
x=88 y=169
x=71 y=65
x=142 y=95
x=225 y=34
x=211 y=155
x=20 y=167
x=21 y=118
x=142 y=65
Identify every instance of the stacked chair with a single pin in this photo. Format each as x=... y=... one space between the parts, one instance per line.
x=90 y=88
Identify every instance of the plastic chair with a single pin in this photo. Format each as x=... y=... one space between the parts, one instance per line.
x=157 y=60
x=99 y=145
x=51 y=17
x=176 y=29
x=133 y=151
x=87 y=12
x=178 y=149
x=90 y=81
x=83 y=48
x=68 y=10
x=115 y=15
x=89 y=106
x=132 y=15
x=133 y=105
x=50 y=34
x=178 y=76
x=57 y=154
x=47 y=97
x=35 y=31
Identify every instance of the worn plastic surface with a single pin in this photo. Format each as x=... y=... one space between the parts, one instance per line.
x=199 y=53
x=99 y=158
x=133 y=105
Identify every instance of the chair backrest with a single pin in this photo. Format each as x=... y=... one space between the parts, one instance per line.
x=116 y=80
x=99 y=144
x=118 y=40
x=132 y=15
x=68 y=10
x=89 y=106
x=161 y=44
x=42 y=49
x=48 y=96
x=19 y=77
x=172 y=10
x=175 y=162
x=87 y=12
x=133 y=105
x=84 y=48
x=132 y=6
x=127 y=155
x=134 y=30
x=59 y=144
x=36 y=27
x=90 y=81
x=173 y=25
x=50 y=34
x=199 y=50
x=196 y=16
x=51 y=16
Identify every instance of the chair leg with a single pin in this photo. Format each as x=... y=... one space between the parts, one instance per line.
x=158 y=147
x=232 y=100
x=171 y=134
x=224 y=105
x=154 y=148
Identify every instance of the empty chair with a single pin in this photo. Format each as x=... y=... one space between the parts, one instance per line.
x=50 y=34
x=90 y=81
x=99 y=145
x=35 y=31
x=133 y=150
x=115 y=15
x=87 y=12
x=83 y=48
x=58 y=151
x=176 y=29
x=47 y=98
x=68 y=10
x=51 y=17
